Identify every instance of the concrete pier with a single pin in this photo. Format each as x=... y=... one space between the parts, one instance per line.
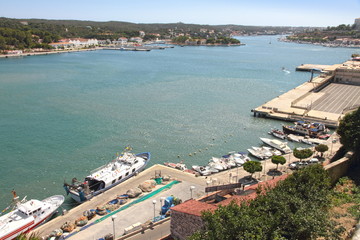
x=321 y=99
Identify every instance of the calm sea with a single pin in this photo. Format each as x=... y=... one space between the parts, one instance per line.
x=66 y=114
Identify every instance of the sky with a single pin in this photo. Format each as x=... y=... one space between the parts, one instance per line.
x=318 y=13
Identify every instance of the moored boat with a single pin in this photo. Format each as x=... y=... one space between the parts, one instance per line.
x=281 y=146
x=27 y=215
x=123 y=167
x=277 y=133
x=305 y=129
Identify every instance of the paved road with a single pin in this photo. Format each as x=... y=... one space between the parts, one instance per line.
x=156 y=233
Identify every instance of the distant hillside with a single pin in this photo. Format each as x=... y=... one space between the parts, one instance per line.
x=75 y=28
x=38 y=33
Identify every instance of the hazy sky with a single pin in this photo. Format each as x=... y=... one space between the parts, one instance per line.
x=250 y=12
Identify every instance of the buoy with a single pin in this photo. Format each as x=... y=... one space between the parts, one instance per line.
x=190 y=154
x=178 y=156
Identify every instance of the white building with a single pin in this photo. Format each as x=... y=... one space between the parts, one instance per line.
x=357 y=23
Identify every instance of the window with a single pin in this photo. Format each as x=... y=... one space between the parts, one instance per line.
x=127 y=174
x=113 y=181
x=133 y=170
x=119 y=178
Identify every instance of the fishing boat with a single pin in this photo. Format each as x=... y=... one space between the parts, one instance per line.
x=306 y=129
x=27 y=215
x=123 y=167
x=281 y=146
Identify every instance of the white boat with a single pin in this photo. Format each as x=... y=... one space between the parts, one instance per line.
x=204 y=170
x=282 y=146
x=105 y=177
x=273 y=151
x=238 y=157
x=257 y=152
x=27 y=215
x=218 y=164
x=293 y=138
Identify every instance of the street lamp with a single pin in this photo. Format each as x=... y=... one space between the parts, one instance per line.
x=191 y=191
x=154 y=203
x=113 y=220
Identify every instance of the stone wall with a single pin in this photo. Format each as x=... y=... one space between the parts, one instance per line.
x=184 y=225
x=339 y=168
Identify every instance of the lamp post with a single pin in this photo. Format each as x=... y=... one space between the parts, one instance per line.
x=154 y=203
x=191 y=191
x=113 y=220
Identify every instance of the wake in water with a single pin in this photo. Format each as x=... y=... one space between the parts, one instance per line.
x=285 y=70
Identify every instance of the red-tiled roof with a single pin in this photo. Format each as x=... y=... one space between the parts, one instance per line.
x=193 y=207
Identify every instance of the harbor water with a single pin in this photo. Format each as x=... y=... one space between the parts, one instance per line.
x=63 y=115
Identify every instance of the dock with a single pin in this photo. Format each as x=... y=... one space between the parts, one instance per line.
x=325 y=98
x=144 y=211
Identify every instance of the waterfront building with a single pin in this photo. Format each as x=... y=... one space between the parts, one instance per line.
x=15 y=52
x=348 y=73
x=76 y=42
x=121 y=41
x=357 y=23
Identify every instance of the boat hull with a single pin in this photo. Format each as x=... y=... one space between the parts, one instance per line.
x=80 y=197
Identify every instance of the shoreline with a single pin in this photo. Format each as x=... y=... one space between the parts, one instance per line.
x=331 y=45
x=47 y=52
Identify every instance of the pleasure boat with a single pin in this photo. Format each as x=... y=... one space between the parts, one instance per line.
x=306 y=129
x=282 y=146
x=27 y=215
x=204 y=170
x=260 y=152
x=123 y=167
x=238 y=157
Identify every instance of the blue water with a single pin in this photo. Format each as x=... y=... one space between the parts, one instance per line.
x=63 y=115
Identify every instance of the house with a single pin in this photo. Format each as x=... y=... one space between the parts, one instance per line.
x=136 y=39
x=121 y=41
x=186 y=217
x=62 y=45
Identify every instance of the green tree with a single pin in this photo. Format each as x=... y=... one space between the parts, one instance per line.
x=303 y=153
x=297 y=208
x=349 y=130
x=278 y=160
x=252 y=167
x=321 y=148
